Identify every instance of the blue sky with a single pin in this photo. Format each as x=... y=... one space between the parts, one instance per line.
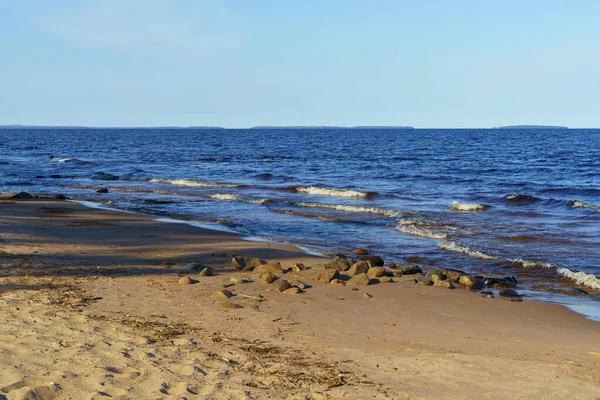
x=241 y=63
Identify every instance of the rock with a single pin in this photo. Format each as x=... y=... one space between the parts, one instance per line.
x=504 y=284
x=376 y=272
x=471 y=282
x=453 y=274
x=337 y=281
x=222 y=294
x=298 y=267
x=205 y=272
x=375 y=260
x=186 y=280
x=280 y=285
x=60 y=197
x=361 y=252
x=516 y=300
x=339 y=264
x=273 y=267
x=299 y=284
x=102 y=190
x=55 y=176
x=317 y=274
x=511 y=278
x=406 y=279
x=293 y=290
x=360 y=267
x=105 y=177
x=240 y=280
x=194 y=266
x=267 y=278
x=508 y=293
x=422 y=280
x=444 y=284
x=22 y=195
x=409 y=269
x=385 y=279
x=366 y=295
x=360 y=279
x=229 y=306
x=246 y=263
x=435 y=275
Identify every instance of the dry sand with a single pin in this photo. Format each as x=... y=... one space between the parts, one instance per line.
x=88 y=312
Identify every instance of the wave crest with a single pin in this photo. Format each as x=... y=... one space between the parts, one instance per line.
x=191 y=183
x=458 y=248
x=235 y=197
x=581 y=204
x=350 y=209
x=580 y=278
x=416 y=230
x=318 y=191
x=467 y=207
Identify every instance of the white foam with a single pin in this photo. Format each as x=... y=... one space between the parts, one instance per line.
x=531 y=264
x=581 y=204
x=580 y=278
x=62 y=160
x=467 y=207
x=235 y=197
x=191 y=183
x=458 y=248
x=317 y=191
x=350 y=209
x=415 y=230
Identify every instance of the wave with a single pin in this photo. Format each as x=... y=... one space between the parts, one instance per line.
x=318 y=191
x=522 y=198
x=531 y=264
x=467 y=207
x=350 y=209
x=580 y=278
x=415 y=230
x=458 y=248
x=63 y=160
x=192 y=183
x=581 y=204
x=235 y=197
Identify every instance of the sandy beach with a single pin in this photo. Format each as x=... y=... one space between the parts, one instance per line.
x=93 y=307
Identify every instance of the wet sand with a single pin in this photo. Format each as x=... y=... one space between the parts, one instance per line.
x=92 y=308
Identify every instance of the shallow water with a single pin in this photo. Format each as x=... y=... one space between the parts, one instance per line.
x=494 y=202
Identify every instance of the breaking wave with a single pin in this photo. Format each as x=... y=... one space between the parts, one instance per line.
x=581 y=204
x=580 y=278
x=458 y=248
x=467 y=207
x=192 y=183
x=416 y=230
x=318 y=191
x=522 y=198
x=350 y=209
x=62 y=160
x=531 y=264
x=235 y=197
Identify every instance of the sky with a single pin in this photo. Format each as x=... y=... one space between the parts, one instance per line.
x=241 y=63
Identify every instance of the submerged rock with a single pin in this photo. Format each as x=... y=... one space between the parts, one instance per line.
x=22 y=195
x=509 y=293
x=102 y=190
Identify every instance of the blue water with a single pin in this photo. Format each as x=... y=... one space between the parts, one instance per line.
x=534 y=194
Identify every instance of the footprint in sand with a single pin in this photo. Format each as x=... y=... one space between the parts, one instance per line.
x=125 y=372
x=25 y=390
x=108 y=393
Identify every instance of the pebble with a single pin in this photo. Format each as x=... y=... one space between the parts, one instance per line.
x=186 y=280
x=239 y=280
x=222 y=294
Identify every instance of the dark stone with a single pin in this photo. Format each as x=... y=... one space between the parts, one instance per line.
x=194 y=266
x=55 y=176
x=453 y=274
x=22 y=195
x=509 y=293
x=339 y=264
x=102 y=190
x=502 y=284
x=410 y=270
x=105 y=177
x=375 y=260
x=60 y=197
x=38 y=177
x=511 y=279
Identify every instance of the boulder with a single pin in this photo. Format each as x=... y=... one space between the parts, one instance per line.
x=509 y=293
x=512 y=279
x=267 y=278
x=385 y=279
x=360 y=267
x=503 y=284
x=280 y=286
x=471 y=282
x=453 y=275
x=339 y=264
x=318 y=274
x=406 y=278
x=422 y=280
x=298 y=283
x=222 y=294
x=60 y=197
x=361 y=252
x=186 y=280
x=409 y=269
x=297 y=267
x=195 y=266
x=273 y=267
x=375 y=260
x=22 y=195
x=246 y=263
x=102 y=190
x=360 y=279
x=376 y=272
x=293 y=290
x=435 y=275
x=444 y=284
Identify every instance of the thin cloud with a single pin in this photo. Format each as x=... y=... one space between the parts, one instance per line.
x=149 y=26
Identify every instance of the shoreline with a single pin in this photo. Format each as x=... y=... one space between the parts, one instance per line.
x=106 y=273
